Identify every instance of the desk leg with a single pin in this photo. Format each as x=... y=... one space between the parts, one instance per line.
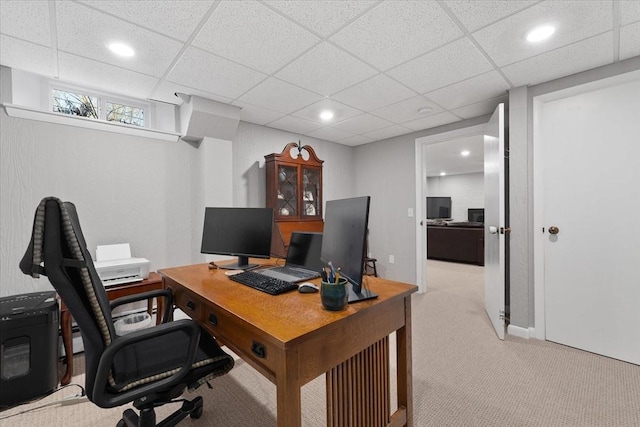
x=405 y=366
x=67 y=342
x=358 y=389
x=288 y=388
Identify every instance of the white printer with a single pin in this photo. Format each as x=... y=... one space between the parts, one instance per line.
x=115 y=265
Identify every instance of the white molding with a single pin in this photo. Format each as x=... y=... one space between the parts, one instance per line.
x=518 y=331
x=22 y=112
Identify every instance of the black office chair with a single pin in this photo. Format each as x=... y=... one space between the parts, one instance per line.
x=149 y=367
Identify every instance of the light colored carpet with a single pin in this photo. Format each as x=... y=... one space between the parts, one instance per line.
x=463 y=376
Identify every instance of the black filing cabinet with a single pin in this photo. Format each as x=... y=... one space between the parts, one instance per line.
x=29 y=346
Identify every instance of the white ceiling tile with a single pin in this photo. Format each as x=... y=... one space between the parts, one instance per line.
x=254 y=35
x=451 y=63
x=322 y=17
x=340 y=111
x=356 y=140
x=505 y=40
x=293 y=124
x=389 y=132
x=27 y=20
x=26 y=56
x=561 y=62
x=252 y=114
x=479 y=109
x=376 y=92
x=177 y=19
x=330 y=134
x=486 y=86
x=432 y=121
x=166 y=91
x=630 y=41
x=97 y=75
x=362 y=123
x=406 y=110
x=394 y=32
x=317 y=70
x=629 y=11
x=86 y=32
x=280 y=96
x=476 y=14
x=210 y=73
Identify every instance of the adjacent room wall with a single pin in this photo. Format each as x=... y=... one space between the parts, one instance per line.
x=466 y=191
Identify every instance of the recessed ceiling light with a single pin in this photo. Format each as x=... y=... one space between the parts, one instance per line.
x=326 y=115
x=121 y=49
x=443 y=173
x=540 y=33
x=425 y=110
x=465 y=152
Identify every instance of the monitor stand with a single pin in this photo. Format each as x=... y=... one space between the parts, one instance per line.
x=363 y=295
x=242 y=264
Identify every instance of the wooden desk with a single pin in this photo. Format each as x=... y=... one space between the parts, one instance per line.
x=291 y=340
x=153 y=282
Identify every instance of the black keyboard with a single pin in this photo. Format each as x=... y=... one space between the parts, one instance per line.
x=263 y=283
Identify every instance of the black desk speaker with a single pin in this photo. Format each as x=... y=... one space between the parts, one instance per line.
x=29 y=346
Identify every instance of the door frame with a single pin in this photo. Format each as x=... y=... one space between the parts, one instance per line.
x=421 y=193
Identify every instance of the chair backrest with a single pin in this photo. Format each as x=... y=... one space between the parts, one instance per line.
x=58 y=250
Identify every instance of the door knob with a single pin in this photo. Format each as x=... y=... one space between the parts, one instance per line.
x=554 y=230
x=493 y=229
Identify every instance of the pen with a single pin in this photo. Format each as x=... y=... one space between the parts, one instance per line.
x=337 y=275
x=323 y=274
x=332 y=272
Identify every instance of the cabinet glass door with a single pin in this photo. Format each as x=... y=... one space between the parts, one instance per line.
x=287 y=191
x=311 y=192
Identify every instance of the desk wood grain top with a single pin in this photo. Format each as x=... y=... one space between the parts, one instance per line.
x=286 y=317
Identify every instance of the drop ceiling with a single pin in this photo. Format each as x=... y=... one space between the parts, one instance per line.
x=386 y=68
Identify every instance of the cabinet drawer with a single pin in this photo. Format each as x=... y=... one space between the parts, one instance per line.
x=188 y=302
x=241 y=337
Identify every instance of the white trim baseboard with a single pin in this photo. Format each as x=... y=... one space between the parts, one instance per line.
x=518 y=331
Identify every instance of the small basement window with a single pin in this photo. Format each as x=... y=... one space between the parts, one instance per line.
x=99 y=107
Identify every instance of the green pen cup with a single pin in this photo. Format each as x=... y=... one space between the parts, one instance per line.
x=334 y=296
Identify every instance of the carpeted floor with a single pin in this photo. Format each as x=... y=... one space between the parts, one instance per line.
x=463 y=376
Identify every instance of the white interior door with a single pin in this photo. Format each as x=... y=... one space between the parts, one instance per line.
x=590 y=158
x=494 y=220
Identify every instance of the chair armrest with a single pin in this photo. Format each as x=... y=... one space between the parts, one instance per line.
x=143 y=296
x=101 y=395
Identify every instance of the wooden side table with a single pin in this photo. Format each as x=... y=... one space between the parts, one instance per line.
x=153 y=282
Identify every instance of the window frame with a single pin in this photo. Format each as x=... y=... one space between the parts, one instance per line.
x=103 y=98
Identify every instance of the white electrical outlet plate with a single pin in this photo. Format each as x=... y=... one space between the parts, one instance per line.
x=392 y=259
x=410 y=212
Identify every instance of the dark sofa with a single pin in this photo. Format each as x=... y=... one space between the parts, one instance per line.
x=456 y=241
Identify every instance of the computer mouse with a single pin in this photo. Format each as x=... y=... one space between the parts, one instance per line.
x=307 y=287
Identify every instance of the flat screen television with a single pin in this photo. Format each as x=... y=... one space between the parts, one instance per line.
x=241 y=232
x=344 y=239
x=438 y=207
x=475 y=214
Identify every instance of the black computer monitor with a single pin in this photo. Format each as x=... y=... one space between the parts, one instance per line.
x=241 y=232
x=344 y=240
x=438 y=207
x=475 y=214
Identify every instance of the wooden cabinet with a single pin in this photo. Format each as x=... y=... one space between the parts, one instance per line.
x=294 y=189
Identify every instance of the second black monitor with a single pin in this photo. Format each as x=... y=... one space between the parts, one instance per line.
x=344 y=240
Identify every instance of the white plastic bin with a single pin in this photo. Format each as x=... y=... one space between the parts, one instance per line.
x=132 y=322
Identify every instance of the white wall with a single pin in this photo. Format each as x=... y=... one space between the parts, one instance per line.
x=144 y=191
x=466 y=191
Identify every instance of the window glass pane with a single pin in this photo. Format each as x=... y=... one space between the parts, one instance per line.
x=75 y=104
x=124 y=114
